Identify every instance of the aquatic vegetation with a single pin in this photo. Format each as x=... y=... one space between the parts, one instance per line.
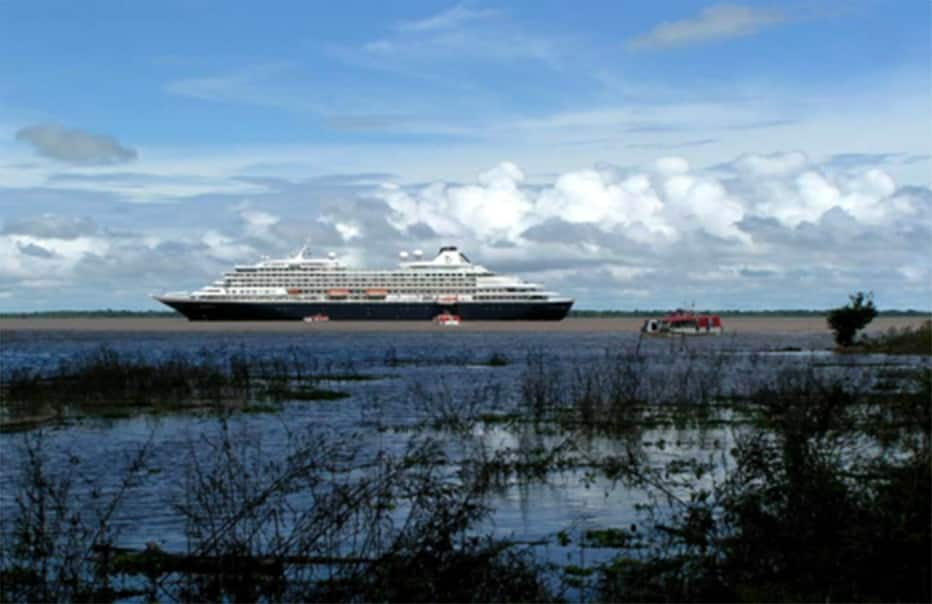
x=107 y=383
x=392 y=358
x=49 y=554
x=756 y=479
x=822 y=504
x=496 y=359
x=611 y=537
x=909 y=340
x=303 y=393
x=621 y=391
x=384 y=528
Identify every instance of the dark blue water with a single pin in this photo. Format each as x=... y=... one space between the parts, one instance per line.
x=426 y=378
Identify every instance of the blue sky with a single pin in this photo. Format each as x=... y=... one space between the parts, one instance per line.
x=591 y=146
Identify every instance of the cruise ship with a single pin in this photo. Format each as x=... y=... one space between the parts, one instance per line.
x=307 y=288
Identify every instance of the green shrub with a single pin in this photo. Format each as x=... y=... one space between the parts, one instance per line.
x=847 y=320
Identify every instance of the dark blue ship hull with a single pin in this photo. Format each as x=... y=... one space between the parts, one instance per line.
x=199 y=310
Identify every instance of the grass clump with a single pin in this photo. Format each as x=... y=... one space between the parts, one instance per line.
x=610 y=537
x=305 y=393
x=497 y=359
x=828 y=499
x=347 y=377
x=909 y=340
x=106 y=377
x=108 y=383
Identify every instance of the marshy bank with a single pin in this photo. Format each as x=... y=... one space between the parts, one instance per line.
x=908 y=340
x=496 y=469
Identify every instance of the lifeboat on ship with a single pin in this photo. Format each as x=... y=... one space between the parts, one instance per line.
x=684 y=322
x=316 y=318
x=447 y=319
x=337 y=293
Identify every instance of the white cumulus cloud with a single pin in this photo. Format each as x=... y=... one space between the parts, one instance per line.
x=745 y=233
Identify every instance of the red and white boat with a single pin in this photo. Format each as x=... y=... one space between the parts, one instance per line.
x=447 y=319
x=316 y=318
x=685 y=322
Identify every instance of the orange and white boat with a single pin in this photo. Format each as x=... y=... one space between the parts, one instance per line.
x=447 y=319
x=316 y=318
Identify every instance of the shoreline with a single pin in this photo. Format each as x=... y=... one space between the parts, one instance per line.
x=733 y=325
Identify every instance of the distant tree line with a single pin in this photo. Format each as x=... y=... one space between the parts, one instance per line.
x=108 y=313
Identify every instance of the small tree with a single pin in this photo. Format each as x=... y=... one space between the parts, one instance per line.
x=846 y=321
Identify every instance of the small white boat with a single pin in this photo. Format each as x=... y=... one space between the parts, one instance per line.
x=316 y=318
